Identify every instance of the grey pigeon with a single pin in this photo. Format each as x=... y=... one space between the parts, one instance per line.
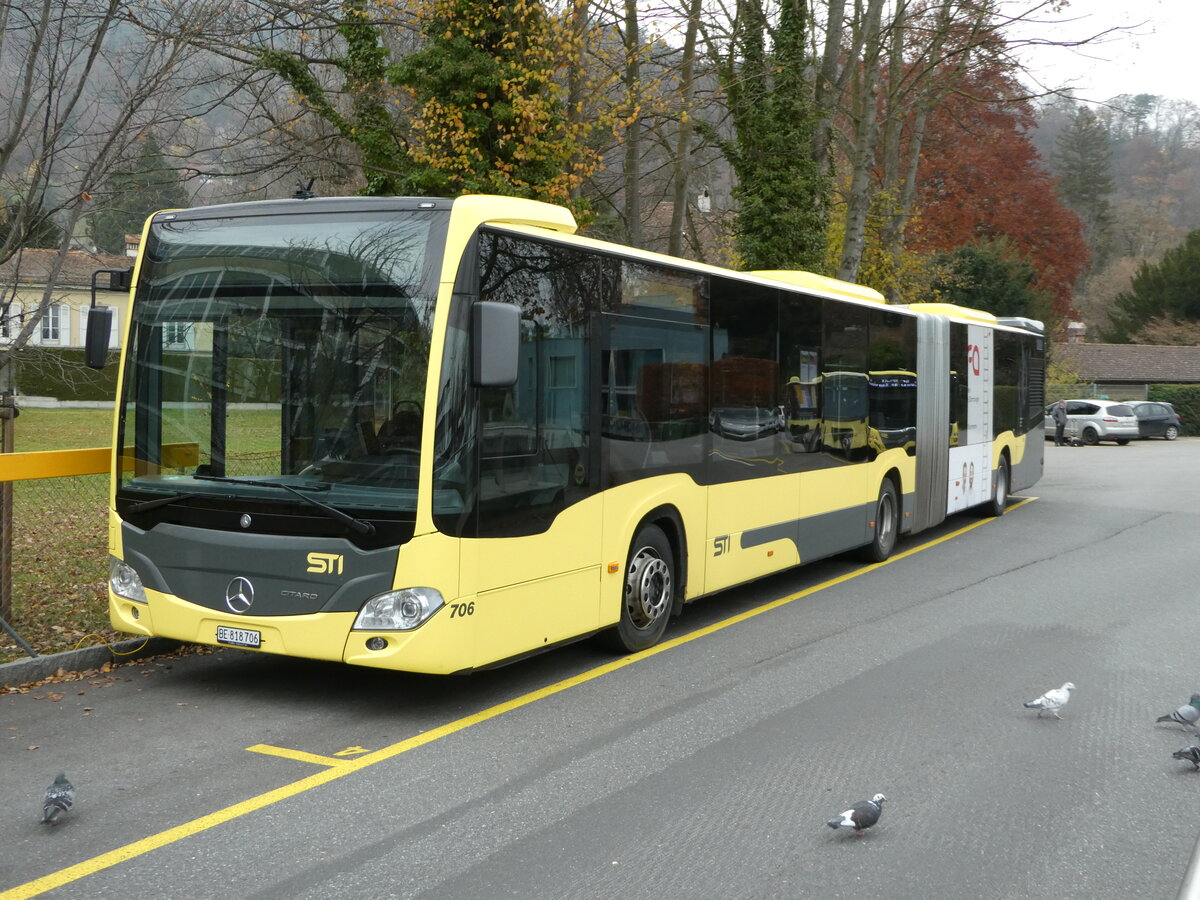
x=1191 y=754
x=1187 y=716
x=60 y=797
x=860 y=816
x=1052 y=701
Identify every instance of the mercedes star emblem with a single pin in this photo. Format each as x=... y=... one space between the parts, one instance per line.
x=239 y=595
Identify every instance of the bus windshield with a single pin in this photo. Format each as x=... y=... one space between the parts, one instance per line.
x=284 y=351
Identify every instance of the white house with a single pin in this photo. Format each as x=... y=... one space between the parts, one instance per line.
x=23 y=280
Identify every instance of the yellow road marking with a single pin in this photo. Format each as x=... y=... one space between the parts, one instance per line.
x=297 y=754
x=351 y=751
x=342 y=768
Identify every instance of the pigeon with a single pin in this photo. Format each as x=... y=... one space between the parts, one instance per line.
x=1187 y=716
x=860 y=816
x=1052 y=701
x=60 y=797
x=1191 y=754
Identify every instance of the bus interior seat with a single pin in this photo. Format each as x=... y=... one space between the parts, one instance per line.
x=401 y=431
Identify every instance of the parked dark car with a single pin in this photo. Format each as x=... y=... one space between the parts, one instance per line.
x=1157 y=419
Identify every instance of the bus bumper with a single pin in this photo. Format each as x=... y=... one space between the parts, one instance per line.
x=315 y=636
x=438 y=647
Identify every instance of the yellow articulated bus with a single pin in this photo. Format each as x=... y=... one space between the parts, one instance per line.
x=440 y=435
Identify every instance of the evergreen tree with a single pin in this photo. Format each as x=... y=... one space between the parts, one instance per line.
x=782 y=190
x=490 y=115
x=991 y=275
x=133 y=192
x=479 y=107
x=1083 y=159
x=1134 y=113
x=1163 y=290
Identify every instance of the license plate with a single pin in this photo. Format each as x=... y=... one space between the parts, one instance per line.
x=238 y=637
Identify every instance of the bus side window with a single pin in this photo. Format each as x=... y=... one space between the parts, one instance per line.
x=534 y=452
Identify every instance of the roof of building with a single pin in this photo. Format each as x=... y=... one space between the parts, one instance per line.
x=1140 y=363
x=33 y=267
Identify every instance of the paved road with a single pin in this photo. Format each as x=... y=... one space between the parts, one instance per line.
x=706 y=769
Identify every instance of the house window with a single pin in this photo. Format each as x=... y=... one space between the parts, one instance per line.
x=53 y=323
x=12 y=317
x=178 y=336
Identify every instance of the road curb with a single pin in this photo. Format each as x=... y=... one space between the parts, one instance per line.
x=23 y=671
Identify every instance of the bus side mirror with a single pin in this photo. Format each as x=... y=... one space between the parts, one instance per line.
x=99 y=326
x=99 y=323
x=496 y=343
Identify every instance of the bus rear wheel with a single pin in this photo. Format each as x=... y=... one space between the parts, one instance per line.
x=649 y=592
x=996 y=505
x=886 y=527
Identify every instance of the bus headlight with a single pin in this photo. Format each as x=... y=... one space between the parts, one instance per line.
x=125 y=581
x=401 y=610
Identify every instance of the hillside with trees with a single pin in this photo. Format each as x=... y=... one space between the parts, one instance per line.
x=1130 y=170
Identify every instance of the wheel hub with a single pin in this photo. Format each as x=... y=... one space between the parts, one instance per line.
x=647 y=588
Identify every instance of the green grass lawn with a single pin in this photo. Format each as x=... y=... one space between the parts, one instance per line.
x=62 y=429
x=60 y=539
x=250 y=430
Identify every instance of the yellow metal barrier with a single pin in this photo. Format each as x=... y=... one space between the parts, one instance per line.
x=54 y=463
x=90 y=461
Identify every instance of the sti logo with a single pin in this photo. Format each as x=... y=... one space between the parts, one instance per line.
x=325 y=563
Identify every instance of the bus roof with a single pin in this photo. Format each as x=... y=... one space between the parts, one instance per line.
x=1034 y=325
x=312 y=205
x=474 y=209
x=818 y=284
x=485 y=208
x=953 y=311
x=800 y=278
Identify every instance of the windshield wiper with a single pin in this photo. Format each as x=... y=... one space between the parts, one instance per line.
x=155 y=503
x=359 y=525
x=145 y=505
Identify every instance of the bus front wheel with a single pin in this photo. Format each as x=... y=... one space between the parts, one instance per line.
x=885 y=527
x=649 y=592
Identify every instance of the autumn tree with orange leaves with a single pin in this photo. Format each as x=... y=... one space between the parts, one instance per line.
x=981 y=179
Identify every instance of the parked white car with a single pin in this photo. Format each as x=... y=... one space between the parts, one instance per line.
x=1092 y=421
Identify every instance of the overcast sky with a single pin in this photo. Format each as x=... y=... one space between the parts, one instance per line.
x=1158 y=54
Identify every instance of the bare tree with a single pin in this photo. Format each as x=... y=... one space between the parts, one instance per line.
x=895 y=70
x=82 y=86
x=681 y=170
x=303 y=82
x=633 y=131
x=864 y=113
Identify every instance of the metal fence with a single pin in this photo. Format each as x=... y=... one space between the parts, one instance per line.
x=54 y=542
x=53 y=555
